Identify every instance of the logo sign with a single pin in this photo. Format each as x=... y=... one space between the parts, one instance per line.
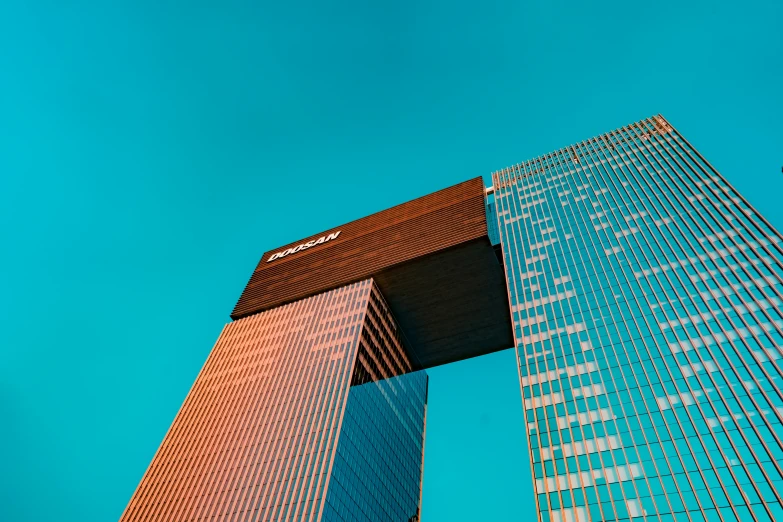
x=304 y=246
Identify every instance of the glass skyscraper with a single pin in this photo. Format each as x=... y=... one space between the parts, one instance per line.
x=312 y=405
x=645 y=295
x=293 y=417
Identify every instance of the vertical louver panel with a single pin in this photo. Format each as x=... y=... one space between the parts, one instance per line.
x=256 y=435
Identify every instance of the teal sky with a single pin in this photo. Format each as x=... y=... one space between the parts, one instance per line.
x=151 y=151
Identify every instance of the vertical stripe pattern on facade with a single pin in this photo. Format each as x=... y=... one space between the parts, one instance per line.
x=381 y=352
x=256 y=436
x=646 y=299
x=379 y=462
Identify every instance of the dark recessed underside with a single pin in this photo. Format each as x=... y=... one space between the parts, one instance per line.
x=451 y=305
x=432 y=259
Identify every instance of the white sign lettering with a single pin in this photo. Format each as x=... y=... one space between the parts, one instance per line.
x=304 y=246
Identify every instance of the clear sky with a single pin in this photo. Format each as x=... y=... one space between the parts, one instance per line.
x=151 y=151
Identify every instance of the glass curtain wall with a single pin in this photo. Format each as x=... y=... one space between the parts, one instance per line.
x=646 y=301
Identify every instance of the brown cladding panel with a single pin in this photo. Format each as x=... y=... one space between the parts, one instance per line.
x=451 y=305
x=418 y=228
x=432 y=260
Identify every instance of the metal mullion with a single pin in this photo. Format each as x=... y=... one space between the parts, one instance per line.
x=572 y=189
x=288 y=460
x=176 y=479
x=242 y=480
x=516 y=201
x=761 y=309
x=544 y=481
x=314 y=396
x=280 y=372
x=611 y=499
x=565 y=178
x=156 y=459
x=604 y=173
x=746 y=324
x=712 y=196
x=534 y=176
x=656 y=370
x=218 y=464
x=238 y=338
x=745 y=364
x=301 y=437
x=279 y=341
x=615 y=350
x=327 y=388
x=732 y=243
x=321 y=397
x=198 y=506
x=752 y=425
x=203 y=415
x=337 y=418
x=221 y=472
x=503 y=199
x=237 y=454
x=380 y=359
x=517 y=258
x=153 y=489
x=722 y=398
x=708 y=400
x=302 y=441
x=396 y=352
x=744 y=270
x=348 y=361
x=392 y=359
x=211 y=400
x=317 y=392
x=690 y=150
x=309 y=316
x=539 y=278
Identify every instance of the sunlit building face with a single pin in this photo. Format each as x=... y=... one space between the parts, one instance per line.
x=644 y=297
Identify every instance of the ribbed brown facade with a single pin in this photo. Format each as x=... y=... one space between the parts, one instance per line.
x=432 y=259
x=367 y=246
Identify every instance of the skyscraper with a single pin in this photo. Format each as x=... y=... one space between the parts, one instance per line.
x=257 y=437
x=312 y=403
x=642 y=294
x=646 y=301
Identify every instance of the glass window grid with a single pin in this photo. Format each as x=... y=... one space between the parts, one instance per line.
x=506 y=215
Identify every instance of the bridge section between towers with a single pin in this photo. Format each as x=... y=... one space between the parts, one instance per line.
x=431 y=258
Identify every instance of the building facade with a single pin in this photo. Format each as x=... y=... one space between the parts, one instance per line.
x=646 y=301
x=312 y=404
x=290 y=418
x=643 y=295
